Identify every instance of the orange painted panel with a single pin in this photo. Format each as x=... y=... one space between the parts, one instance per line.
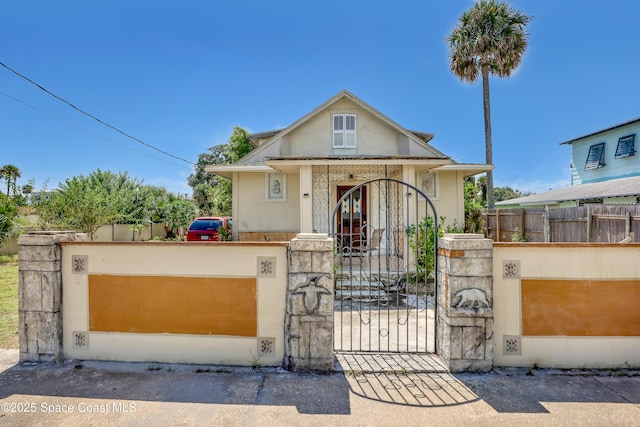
x=583 y=308
x=170 y=304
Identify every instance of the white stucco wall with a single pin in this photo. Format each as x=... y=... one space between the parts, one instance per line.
x=449 y=198
x=560 y=262
x=254 y=212
x=373 y=136
x=224 y=260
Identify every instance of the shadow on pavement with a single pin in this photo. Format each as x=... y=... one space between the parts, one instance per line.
x=515 y=391
x=409 y=381
x=309 y=393
x=412 y=389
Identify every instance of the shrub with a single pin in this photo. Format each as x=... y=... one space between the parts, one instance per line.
x=518 y=236
x=422 y=241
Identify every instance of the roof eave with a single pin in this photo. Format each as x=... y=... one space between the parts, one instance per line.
x=619 y=125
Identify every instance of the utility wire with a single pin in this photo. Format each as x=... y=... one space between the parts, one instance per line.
x=90 y=115
x=88 y=131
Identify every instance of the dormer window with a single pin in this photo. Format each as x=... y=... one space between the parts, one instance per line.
x=344 y=131
x=595 y=158
x=626 y=146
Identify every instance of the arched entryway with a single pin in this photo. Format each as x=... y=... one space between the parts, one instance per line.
x=385 y=233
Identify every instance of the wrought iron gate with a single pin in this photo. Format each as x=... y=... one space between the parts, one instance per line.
x=385 y=234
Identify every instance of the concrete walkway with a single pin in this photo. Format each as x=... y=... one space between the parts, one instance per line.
x=362 y=392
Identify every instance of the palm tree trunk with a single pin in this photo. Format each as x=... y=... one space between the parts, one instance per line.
x=487 y=134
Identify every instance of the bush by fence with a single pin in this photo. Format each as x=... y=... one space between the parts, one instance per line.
x=588 y=223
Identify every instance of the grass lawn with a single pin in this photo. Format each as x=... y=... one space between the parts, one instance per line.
x=8 y=301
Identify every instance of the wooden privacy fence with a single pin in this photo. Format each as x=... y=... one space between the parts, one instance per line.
x=588 y=223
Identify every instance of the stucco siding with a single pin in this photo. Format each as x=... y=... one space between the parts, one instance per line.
x=373 y=136
x=448 y=200
x=616 y=167
x=255 y=213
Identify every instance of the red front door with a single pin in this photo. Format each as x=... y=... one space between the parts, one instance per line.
x=352 y=215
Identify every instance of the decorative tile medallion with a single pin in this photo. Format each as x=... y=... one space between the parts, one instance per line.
x=266 y=267
x=511 y=269
x=80 y=340
x=266 y=346
x=79 y=264
x=511 y=345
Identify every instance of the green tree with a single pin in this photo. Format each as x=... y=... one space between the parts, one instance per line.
x=203 y=197
x=489 y=38
x=9 y=226
x=212 y=194
x=216 y=155
x=238 y=146
x=78 y=205
x=27 y=190
x=178 y=214
x=85 y=203
x=474 y=202
x=507 y=193
x=10 y=173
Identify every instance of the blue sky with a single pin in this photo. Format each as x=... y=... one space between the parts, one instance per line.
x=179 y=75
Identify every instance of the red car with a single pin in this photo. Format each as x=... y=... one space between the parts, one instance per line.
x=206 y=228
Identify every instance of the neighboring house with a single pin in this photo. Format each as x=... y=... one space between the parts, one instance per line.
x=604 y=169
x=614 y=192
x=295 y=176
x=606 y=154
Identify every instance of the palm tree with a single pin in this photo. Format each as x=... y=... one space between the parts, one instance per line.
x=489 y=38
x=11 y=174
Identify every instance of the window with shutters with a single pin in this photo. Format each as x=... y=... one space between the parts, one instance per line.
x=344 y=131
x=626 y=146
x=595 y=158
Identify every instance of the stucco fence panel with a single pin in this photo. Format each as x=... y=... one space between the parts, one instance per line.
x=566 y=305
x=210 y=303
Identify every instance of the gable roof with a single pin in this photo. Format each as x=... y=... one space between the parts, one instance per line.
x=420 y=138
x=621 y=187
x=619 y=125
x=255 y=137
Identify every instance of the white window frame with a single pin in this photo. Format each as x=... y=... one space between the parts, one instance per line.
x=343 y=131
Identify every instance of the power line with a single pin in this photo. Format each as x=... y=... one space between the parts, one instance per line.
x=92 y=116
x=88 y=131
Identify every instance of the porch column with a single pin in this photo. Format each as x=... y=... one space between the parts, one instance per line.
x=235 y=204
x=306 y=199
x=409 y=177
x=464 y=332
x=40 y=294
x=309 y=312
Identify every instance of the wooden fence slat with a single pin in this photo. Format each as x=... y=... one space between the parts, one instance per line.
x=588 y=223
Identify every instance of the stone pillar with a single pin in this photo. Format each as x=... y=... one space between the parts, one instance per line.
x=464 y=333
x=309 y=316
x=40 y=294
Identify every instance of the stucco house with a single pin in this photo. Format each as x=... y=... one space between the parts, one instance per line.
x=294 y=177
x=604 y=169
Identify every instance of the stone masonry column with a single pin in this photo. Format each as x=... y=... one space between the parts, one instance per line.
x=309 y=315
x=40 y=294
x=464 y=333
